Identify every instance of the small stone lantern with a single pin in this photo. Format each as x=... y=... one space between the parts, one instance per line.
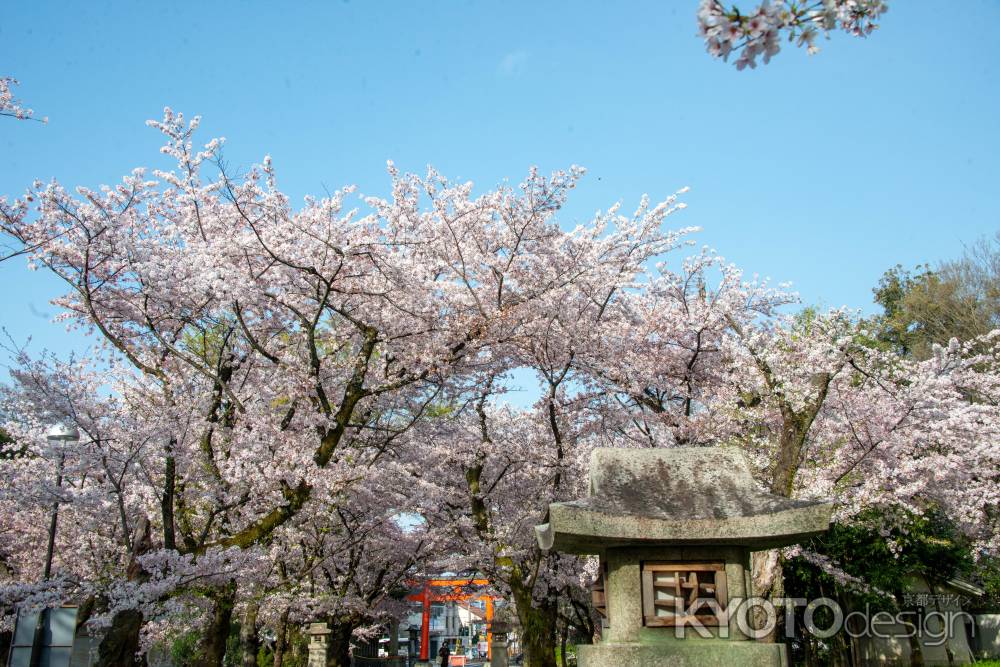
x=674 y=528
x=318 y=633
x=498 y=647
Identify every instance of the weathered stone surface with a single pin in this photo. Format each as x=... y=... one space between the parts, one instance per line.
x=694 y=653
x=623 y=587
x=498 y=653
x=675 y=496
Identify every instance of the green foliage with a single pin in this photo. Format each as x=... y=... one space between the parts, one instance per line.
x=439 y=410
x=986 y=573
x=921 y=308
x=9 y=449
x=886 y=552
x=184 y=649
x=296 y=654
x=570 y=655
x=234 y=655
x=958 y=299
x=207 y=343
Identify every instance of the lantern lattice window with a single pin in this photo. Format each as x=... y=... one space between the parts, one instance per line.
x=597 y=595
x=684 y=593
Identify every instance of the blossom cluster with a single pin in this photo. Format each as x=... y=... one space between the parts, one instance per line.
x=9 y=106
x=758 y=33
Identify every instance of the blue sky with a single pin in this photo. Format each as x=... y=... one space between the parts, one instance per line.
x=823 y=171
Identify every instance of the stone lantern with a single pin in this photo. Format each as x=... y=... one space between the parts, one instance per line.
x=674 y=528
x=498 y=647
x=317 y=633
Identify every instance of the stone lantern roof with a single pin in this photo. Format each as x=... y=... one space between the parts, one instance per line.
x=677 y=496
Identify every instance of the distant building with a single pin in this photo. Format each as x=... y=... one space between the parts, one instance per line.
x=61 y=641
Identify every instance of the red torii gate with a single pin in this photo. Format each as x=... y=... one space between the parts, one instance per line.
x=453 y=589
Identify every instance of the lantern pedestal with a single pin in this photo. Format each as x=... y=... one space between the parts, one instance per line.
x=680 y=653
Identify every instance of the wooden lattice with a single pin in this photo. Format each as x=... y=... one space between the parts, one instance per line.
x=597 y=596
x=684 y=593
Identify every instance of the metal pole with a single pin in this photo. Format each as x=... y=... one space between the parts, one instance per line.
x=54 y=519
x=60 y=433
x=38 y=637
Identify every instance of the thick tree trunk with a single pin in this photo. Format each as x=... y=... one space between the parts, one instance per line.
x=789 y=453
x=249 y=644
x=916 y=650
x=212 y=648
x=281 y=639
x=6 y=637
x=842 y=656
x=339 y=649
x=768 y=582
x=537 y=640
x=538 y=628
x=808 y=649
x=120 y=645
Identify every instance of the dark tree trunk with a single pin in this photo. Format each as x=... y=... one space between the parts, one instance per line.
x=120 y=646
x=249 y=643
x=808 y=649
x=212 y=649
x=538 y=628
x=281 y=639
x=842 y=656
x=339 y=649
x=167 y=499
x=916 y=650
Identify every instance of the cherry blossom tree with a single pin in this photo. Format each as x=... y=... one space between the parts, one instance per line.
x=838 y=416
x=275 y=385
x=277 y=351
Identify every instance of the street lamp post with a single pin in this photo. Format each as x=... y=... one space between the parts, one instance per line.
x=58 y=434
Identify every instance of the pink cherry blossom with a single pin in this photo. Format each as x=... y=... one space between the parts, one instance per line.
x=9 y=106
x=758 y=33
